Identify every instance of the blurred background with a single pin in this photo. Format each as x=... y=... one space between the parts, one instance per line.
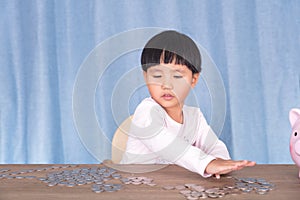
x=254 y=45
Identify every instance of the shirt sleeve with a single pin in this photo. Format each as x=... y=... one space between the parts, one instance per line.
x=209 y=142
x=150 y=128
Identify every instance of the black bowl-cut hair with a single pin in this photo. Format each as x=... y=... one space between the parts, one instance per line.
x=169 y=45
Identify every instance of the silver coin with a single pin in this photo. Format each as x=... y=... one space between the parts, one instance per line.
x=124 y=180
x=196 y=194
x=204 y=196
x=117 y=186
x=108 y=189
x=70 y=184
x=260 y=192
x=168 y=187
x=2 y=170
x=180 y=187
x=23 y=171
x=189 y=185
x=52 y=184
x=213 y=195
x=106 y=178
x=30 y=177
x=98 y=182
x=14 y=173
x=247 y=190
x=198 y=188
x=98 y=191
x=192 y=198
x=80 y=182
x=148 y=179
x=95 y=187
x=211 y=190
x=263 y=189
x=116 y=176
x=136 y=183
x=151 y=184
x=185 y=191
x=62 y=183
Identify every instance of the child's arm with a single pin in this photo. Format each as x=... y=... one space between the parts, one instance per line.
x=148 y=128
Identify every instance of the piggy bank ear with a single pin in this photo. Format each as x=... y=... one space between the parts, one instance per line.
x=294 y=115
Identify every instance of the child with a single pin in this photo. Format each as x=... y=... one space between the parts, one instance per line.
x=163 y=129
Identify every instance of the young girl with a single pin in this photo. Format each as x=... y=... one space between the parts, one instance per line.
x=163 y=129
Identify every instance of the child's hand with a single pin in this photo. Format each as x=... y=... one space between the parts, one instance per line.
x=220 y=166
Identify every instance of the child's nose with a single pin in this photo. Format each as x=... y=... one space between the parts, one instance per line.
x=167 y=84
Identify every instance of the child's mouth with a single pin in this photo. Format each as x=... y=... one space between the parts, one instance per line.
x=168 y=96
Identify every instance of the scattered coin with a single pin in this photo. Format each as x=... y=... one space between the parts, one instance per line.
x=179 y=187
x=242 y=185
x=99 y=176
x=3 y=170
x=168 y=187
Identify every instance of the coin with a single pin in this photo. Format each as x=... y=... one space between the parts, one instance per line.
x=180 y=187
x=98 y=191
x=168 y=187
x=30 y=177
x=70 y=184
x=185 y=191
x=213 y=195
x=52 y=184
x=191 y=198
x=211 y=190
x=3 y=170
x=198 y=188
x=189 y=185
x=151 y=184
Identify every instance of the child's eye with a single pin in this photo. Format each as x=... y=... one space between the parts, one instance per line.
x=177 y=76
x=156 y=76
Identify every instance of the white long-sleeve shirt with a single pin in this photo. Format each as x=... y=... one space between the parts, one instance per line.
x=155 y=138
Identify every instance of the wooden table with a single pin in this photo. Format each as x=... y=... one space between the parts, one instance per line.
x=285 y=177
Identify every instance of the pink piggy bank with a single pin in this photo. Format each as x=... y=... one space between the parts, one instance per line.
x=295 y=137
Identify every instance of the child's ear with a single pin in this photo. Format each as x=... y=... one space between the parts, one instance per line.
x=195 y=79
x=145 y=75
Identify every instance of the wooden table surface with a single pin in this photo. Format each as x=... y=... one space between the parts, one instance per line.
x=285 y=178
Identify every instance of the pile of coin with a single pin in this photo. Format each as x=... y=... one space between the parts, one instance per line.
x=242 y=185
x=138 y=180
x=194 y=191
x=107 y=187
x=3 y=170
x=20 y=174
x=96 y=176
x=259 y=185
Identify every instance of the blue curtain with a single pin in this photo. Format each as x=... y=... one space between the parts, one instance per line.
x=255 y=46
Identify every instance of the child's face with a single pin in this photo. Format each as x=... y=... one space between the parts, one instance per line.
x=169 y=84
